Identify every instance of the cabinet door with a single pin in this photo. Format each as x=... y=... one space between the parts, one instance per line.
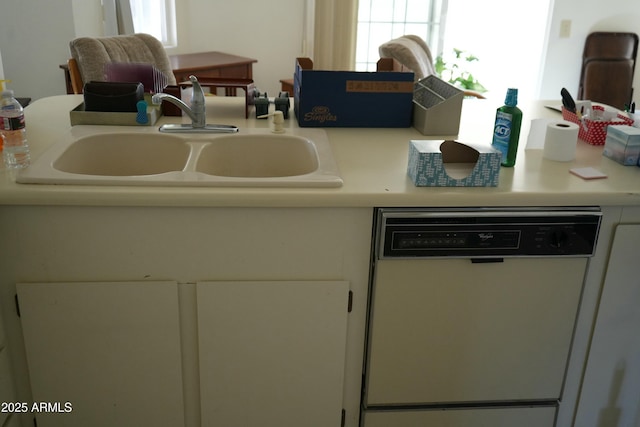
x=6 y=382
x=6 y=386
x=272 y=353
x=111 y=350
x=610 y=388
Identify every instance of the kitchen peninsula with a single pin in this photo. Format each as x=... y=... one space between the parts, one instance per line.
x=184 y=296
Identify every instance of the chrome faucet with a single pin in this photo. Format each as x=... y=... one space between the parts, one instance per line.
x=196 y=112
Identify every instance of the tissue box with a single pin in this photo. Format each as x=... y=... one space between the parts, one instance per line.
x=351 y=98
x=622 y=144
x=434 y=163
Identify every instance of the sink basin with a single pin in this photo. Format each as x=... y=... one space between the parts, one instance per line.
x=251 y=157
x=100 y=155
x=123 y=155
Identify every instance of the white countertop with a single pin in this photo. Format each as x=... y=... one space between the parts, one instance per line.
x=372 y=163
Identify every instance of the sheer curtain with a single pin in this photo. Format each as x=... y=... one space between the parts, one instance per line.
x=155 y=17
x=117 y=17
x=335 y=29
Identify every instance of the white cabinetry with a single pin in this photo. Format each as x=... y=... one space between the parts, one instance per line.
x=6 y=381
x=106 y=353
x=172 y=305
x=272 y=353
x=610 y=390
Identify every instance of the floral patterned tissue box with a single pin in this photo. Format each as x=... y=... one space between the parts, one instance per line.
x=437 y=163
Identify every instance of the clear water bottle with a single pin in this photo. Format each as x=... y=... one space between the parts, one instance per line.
x=15 y=149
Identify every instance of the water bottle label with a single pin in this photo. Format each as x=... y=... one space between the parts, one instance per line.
x=12 y=123
x=502 y=133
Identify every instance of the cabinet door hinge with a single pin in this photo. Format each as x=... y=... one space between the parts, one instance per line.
x=350 y=302
x=344 y=416
x=17 y=305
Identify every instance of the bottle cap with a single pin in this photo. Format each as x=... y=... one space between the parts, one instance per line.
x=512 y=97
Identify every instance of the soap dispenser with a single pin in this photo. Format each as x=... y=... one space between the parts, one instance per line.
x=278 y=121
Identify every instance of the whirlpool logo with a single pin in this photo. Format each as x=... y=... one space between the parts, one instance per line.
x=485 y=236
x=320 y=114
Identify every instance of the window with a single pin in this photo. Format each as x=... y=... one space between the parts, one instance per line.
x=382 y=20
x=507 y=37
x=155 y=17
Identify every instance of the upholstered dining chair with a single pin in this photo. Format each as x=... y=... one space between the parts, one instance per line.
x=411 y=53
x=90 y=55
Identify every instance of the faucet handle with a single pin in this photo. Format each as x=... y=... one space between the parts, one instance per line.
x=197 y=102
x=195 y=83
x=198 y=94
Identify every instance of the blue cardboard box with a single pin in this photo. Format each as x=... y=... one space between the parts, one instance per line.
x=437 y=163
x=351 y=98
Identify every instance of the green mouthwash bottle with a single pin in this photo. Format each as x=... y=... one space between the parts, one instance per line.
x=506 y=130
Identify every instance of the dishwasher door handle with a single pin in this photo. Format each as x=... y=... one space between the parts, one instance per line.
x=486 y=260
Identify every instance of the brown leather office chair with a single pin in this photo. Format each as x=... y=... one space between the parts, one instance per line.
x=608 y=66
x=90 y=55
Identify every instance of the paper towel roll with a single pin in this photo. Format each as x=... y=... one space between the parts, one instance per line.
x=560 y=141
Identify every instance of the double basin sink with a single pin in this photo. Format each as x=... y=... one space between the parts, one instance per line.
x=94 y=155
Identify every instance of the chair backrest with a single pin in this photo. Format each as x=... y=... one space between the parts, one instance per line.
x=91 y=54
x=412 y=52
x=608 y=67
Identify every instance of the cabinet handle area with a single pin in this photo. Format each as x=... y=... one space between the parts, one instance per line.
x=486 y=260
x=17 y=305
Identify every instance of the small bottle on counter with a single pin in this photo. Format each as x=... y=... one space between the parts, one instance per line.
x=15 y=149
x=506 y=131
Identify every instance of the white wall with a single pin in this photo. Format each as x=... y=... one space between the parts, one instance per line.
x=269 y=31
x=34 y=37
x=33 y=40
x=564 y=55
x=1 y=67
x=87 y=18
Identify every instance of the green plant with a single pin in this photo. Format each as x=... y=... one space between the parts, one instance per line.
x=455 y=72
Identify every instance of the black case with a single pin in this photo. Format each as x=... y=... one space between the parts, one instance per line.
x=112 y=96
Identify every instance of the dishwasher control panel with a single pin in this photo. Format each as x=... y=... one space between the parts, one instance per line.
x=486 y=233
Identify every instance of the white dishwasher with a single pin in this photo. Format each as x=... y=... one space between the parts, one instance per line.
x=472 y=314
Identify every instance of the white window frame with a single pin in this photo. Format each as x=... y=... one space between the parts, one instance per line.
x=129 y=17
x=373 y=29
x=155 y=17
